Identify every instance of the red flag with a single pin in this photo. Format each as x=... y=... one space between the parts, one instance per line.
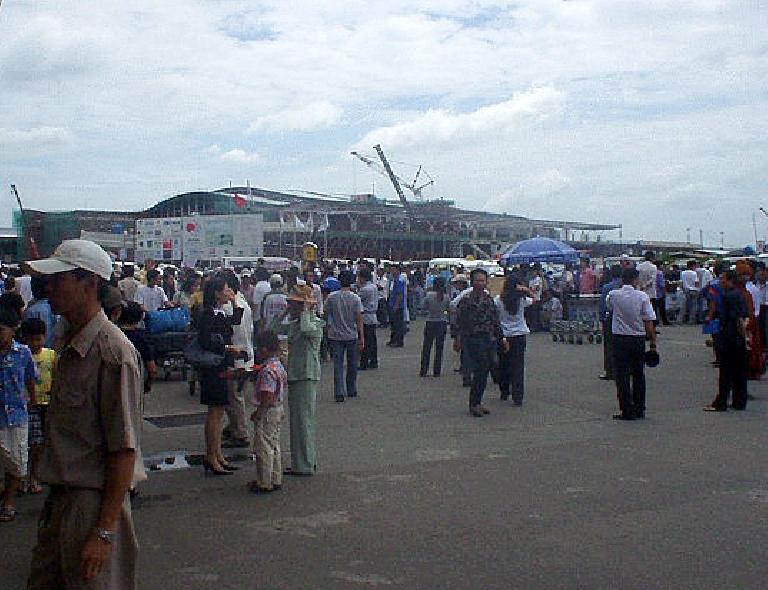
x=240 y=202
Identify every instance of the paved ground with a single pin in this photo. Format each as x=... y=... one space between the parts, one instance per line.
x=413 y=493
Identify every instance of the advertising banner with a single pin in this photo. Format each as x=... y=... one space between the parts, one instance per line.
x=196 y=238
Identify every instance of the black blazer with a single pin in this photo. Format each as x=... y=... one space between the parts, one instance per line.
x=215 y=329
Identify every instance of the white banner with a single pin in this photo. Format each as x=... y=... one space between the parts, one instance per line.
x=199 y=237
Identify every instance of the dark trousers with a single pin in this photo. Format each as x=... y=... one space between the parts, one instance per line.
x=733 y=375
x=345 y=385
x=397 y=322
x=369 y=357
x=607 y=349
x=480 y=349
x=382 y=312
x=660 y=308
x=512 y=369
x=434 y=333
x=629 y=364
x=466 y=373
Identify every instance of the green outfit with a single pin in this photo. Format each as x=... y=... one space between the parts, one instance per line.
x=304 y=336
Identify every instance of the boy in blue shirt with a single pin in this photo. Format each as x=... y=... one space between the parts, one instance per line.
x=17 y=374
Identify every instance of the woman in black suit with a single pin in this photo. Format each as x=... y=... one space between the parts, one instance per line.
x=215 y=335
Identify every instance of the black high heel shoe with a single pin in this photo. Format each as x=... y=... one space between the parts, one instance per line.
x=208 y=467
x=229 y=467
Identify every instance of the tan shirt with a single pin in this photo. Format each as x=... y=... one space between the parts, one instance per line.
x=94 y=406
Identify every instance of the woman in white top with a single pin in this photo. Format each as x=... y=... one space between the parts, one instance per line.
x=514 y=298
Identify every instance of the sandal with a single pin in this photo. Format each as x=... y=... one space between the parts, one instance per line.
x=7 y=514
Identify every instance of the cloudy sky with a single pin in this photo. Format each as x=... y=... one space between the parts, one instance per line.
x=650 y=114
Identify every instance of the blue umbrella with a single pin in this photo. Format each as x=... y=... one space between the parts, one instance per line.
x=539 y=250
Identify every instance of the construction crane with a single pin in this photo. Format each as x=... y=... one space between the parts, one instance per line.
x=381 y=168
x=33 y=252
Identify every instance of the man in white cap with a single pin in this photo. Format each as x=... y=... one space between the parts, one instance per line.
x=92 y=457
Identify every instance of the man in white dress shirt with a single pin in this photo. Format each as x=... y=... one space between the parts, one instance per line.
x=632 y=322
x=236 y=431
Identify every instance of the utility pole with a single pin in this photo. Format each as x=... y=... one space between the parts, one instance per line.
x=701 y=238
x=722 y=243
x=687 y=235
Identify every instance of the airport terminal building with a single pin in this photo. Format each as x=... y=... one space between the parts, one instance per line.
x=342 y=227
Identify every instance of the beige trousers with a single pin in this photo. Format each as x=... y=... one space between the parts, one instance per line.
x=67 y=520
x=236 y=411
x=266 y=447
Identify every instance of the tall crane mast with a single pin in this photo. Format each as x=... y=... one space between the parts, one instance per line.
x=27 y=237
x=411 y=186
x=393 y=178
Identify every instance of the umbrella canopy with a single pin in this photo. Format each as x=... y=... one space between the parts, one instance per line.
x=539 y=250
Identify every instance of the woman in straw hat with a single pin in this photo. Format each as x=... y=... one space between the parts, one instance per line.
x=305 y=331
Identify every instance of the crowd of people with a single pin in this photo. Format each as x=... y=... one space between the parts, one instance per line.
x=76 y=358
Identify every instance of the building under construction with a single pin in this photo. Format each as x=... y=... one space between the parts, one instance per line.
x=342 y=227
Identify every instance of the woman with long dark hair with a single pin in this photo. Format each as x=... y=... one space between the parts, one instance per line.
x=215 y=334
x=514 y=298
x=436 y=305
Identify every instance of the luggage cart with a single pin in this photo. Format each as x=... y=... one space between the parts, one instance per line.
x=583 y=323
x=169 y=352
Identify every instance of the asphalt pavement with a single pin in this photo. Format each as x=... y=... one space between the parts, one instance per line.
x=414 y=493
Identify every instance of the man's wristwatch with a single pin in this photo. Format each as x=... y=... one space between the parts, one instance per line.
x=105 y=535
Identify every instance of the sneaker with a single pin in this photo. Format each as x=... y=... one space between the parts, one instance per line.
x=623 y=417
x=338 y=399
x=476 y=412
x=484 y=410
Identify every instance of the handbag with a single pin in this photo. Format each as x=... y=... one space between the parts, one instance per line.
x=201 y=358
x=712 y=327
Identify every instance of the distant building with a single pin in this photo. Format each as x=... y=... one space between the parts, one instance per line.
x=343 y=227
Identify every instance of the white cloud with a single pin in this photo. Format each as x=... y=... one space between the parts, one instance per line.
x=314 y=116
x=19 y=143
x=638 y=100
x=440 y=126
x=239 y=156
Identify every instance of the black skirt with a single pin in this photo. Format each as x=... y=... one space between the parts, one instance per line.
x=213 y=389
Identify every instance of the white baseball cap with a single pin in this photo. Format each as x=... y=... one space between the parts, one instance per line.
x=72 y=254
